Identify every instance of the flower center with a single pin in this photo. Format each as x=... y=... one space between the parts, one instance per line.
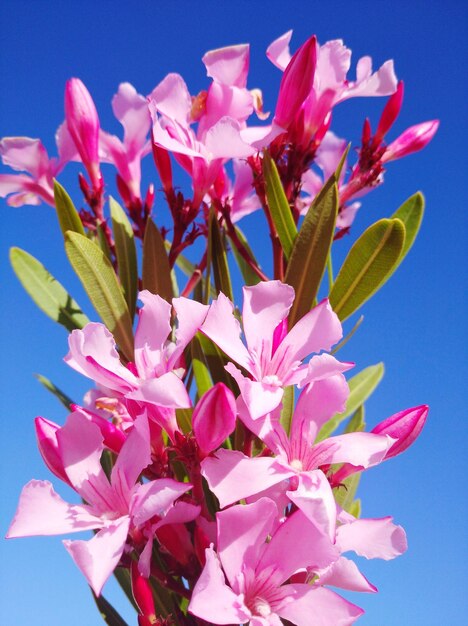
x=272 y=379
x=261 y=607
x=296 y=465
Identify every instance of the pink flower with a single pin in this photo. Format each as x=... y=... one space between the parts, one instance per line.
x=154 y=379
x=28 y=155
x=411 y=140
x=245 y=580
x=131 y=109
x=115 y=507
x=273 y=356
x=83 y=124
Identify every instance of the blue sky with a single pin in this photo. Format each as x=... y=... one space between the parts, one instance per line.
x=416 y=324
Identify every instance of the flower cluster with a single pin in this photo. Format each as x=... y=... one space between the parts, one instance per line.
x=207 y=455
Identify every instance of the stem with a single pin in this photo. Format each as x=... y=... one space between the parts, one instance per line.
x=330 y=271
x=241 y=248
x=195 y=277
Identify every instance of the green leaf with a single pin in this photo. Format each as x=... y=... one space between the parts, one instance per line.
x=344 y=494
x=107 y=611
x=156 y=269
x=354 y=508
x=46 y=291
x=103 y=243
x=249 y=276
x=361 y=387
x=357 y=422
x=222 y=278
x=122 y=575
x=58 y=393
x=287 y=409
x=279 y=206
x=215 y=361
x=184 y=419
x=101 y=284
x=411 y=214
x=126 y=254
x=200 y=368
x=367 y=267
x=309 y=256
x=68 y=216
x=342 y=162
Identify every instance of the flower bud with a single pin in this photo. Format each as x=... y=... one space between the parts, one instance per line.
x=404 y=427
x=413 y=139
x=389 y=114
x=83 y=124
x=297 y=83
x=46 y=433
x=214 y=417
x=143 y=595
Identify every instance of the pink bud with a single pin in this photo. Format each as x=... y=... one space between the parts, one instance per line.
x=413 y=139
x=162 y=161
x=214 y=417
x=83 y=124
x=46 y=433
x=404 y=427
x=297 y=83
x=141 y=590
x=389 y=114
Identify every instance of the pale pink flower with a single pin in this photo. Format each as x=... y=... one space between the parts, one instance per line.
x=245 y=580
x=273 y=356
x=154 y=381
x=131 y=109
x=115 y=508
x=24 y=154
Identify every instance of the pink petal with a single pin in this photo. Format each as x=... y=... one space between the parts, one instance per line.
x=380 y=83
x=24 y=154
x=131 y=109
x=265 y=306
x=152 y=331
x=242 y=534
x=98 y=557
x=172 y=98
x=314 y=497
x=66 y=147
x=223 y=328
x=166 y=391
x=224 y=140
x=80 y=446
x=232 y=476
x=333 y=63
x=372 y=538
x=318 y=606
x=318 y=330
x=190 y=317
x=41 y=511
x=134 y=456
x=228 y=66
x=358 y=449
x=345 y=574
x=156 y=498
x=212 y=600
x=278 y=51
x=260 y=398
x=93 y=354
x=282 y=555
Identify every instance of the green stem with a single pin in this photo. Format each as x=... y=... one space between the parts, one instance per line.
x=330 y=271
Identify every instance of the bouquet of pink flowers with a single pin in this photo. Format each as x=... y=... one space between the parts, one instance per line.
x=218 y=453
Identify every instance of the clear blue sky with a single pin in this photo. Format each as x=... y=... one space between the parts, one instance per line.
x=416 y=324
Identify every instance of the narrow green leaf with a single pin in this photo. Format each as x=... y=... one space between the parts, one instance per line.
x=58 y=393
x=46 y=291
x=249 y=276
x=357 y=422
x=342 y=162
x=355 y=507
x=361 y=387
x=156 y=269
x=184 y=419
x=215 y=360
x=102 y=286
x=222 y=278
x=309 y=256
x=122 y=575
x=345 y=339
x=200 y=368
x=287 y=409
x=411 y=214
x=369 y=264
x=279 y=206
x=125 y=251
x=107 y=611
x=68 y=216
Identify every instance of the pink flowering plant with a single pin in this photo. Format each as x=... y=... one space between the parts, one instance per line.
x=217 y=454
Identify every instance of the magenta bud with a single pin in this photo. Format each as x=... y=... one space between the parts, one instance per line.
x=83 y=124
x=405 y=427
x=214 y=417
x=142 y=594
x=413 y=139
x=46 y=433
x=297 y=83
x=390 y=113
